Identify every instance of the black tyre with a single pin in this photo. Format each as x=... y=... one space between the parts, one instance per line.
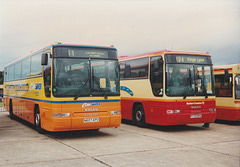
x=11 y=115
x=139 y=116
x=37 y=121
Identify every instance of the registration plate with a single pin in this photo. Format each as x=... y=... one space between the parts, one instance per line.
x=196 y=116
x=87 y=120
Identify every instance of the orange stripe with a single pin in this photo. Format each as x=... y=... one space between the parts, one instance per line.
x=232 y=108
x=222 y=70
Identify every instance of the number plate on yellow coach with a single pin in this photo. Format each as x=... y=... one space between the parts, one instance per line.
x=91 y=120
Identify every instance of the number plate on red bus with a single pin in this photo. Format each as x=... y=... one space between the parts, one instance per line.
x=196 y=116
x=87 y=120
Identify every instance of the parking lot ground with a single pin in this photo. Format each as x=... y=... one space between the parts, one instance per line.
x=190 y=145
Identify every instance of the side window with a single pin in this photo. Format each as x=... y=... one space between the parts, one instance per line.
x=237 y=87
x=122 y=69
x=6 y=74
x=223 y=88
x=36 y=67
x=137 y=68
x=26 y=68
x=18 y=68
x=156 y=75
x=11 y=72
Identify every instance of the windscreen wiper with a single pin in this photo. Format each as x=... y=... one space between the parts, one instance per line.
x=81 y=88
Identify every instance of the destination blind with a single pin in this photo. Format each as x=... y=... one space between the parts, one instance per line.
x=188 y=59
x=79 y=52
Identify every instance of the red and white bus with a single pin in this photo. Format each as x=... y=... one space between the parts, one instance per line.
x=227 y=86
x=167 y=88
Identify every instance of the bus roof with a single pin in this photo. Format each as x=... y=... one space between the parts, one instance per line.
x=232 y=68
x=60 y=44
x=225 y=66
x=164 y=51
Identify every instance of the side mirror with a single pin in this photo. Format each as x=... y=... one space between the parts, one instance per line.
x=226 y=75
x=44 y=60
x=1 y=75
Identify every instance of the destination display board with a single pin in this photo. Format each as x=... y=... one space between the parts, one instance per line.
x=188 y=59
x=80 y=52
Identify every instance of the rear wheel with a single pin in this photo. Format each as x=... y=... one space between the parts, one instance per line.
x=139 y=116
x=11 y=115
x=37 y=120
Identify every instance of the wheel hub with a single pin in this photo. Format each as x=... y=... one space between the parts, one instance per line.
x=138 y=116
x=37 y=119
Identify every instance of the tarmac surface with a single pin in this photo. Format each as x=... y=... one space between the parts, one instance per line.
x=129 y=145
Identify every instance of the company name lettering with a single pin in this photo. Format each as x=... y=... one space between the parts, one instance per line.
x=194 y=103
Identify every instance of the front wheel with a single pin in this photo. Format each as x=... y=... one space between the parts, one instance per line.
x=139 y=116
x=37 y=121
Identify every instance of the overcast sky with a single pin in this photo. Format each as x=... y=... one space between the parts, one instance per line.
x=132 y=26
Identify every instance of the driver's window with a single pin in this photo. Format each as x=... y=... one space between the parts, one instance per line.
x=47 y=78
x=156 y=75
x=237 y=87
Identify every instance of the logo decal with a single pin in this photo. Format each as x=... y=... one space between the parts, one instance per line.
x=126 y=89
x=32 y=86
x=86 y=105
x=38 y=86
x=194 y=103
x=90 y=104
x=91 y=109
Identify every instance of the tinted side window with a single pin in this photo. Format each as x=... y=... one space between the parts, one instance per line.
x=18 y=70
x=11 y=72
x=47 y=77
x=36 y=67
x=237 y=87
x=156 y=75
x=26 y=68
x=6 y=74
x=137 y=68
x=122 y=69
x=222 y=88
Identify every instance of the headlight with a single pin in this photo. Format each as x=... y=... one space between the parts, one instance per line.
x=212 y=109
x=61 y=115
x=65 y=114
x=169 y=111
x=115 y=112
x=177 y=111
x=173 y=111
x=57 y=115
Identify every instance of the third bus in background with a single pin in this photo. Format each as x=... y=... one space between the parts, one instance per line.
x=227 y=84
